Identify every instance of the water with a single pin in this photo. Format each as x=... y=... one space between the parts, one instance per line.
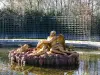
x=89 y=65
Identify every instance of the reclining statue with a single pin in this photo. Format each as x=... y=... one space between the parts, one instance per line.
x=45 y=45
x=59 y=47
x=53 y=44
x=23 y=48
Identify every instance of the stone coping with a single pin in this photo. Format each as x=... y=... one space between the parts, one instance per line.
x=80 y=43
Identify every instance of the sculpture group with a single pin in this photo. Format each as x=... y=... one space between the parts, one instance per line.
x=53 y=48
x=53 y=44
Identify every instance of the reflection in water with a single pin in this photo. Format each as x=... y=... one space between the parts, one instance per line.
x=89 y=65
x=27 y=70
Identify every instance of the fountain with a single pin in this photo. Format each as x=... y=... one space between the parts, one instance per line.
x=48 y=53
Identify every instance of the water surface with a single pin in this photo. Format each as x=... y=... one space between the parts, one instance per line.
x=89 y=64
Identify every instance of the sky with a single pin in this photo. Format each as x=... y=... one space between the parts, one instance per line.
x=1 y=5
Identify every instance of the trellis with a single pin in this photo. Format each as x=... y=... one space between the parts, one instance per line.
x=76 y=19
